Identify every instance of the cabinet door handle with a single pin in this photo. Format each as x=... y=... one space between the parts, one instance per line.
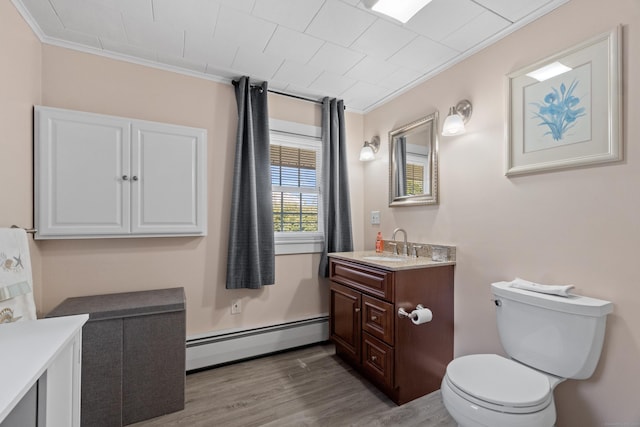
x=134 y=177
x=374 y=358
x=357 y=309
x=125 y=177
x=374 y=318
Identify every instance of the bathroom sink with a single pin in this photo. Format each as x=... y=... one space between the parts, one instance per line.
x=384 y=258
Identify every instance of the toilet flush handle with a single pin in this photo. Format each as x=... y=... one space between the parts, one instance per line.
x=497 y=302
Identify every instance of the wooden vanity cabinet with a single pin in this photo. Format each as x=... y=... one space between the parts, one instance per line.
x=404 y=360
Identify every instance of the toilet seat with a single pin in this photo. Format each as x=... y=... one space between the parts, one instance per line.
x=499 y=384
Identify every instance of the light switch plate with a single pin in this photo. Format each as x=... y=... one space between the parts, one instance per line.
x=375 y=217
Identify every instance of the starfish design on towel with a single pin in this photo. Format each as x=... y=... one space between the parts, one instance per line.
x=13 y=264
x=18 y=260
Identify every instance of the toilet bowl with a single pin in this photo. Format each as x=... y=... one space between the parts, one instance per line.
x=548 y=339
x=487 y=390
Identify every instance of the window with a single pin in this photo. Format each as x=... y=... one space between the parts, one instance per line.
x=295 y=180
x=415 y=179
x=417 y=173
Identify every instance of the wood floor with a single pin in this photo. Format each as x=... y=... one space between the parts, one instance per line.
x=305 y=387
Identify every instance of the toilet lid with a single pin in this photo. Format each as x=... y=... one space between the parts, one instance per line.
x=500 y=381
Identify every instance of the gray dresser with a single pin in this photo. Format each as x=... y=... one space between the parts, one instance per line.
x=133 y=355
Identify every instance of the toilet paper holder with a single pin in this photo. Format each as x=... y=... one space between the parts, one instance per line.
x=403 y=313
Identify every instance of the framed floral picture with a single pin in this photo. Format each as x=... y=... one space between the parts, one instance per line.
x=566 y=110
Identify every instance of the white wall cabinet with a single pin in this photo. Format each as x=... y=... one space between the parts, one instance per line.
x=106 y=176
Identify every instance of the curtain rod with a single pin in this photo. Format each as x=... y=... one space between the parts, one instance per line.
x=315 y=101
x=277 y=92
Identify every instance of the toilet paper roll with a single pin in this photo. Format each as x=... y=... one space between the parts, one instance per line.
x=423 y=315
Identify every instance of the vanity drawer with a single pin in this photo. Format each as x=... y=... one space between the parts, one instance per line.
x=377 y=360
x=371 y=280
x=377 y=318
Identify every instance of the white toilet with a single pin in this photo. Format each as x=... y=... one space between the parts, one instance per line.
x=549 y=339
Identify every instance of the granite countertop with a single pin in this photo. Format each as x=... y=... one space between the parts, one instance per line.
x=402 y=263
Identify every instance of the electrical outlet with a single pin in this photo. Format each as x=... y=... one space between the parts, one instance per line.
x=375 y=217
x=235 y=306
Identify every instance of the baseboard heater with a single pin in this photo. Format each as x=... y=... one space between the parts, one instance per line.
x=225 y=347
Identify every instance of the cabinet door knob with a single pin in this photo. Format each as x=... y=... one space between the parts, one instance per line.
x=374 y=318
x=125 y=177
x=357 y=309
x=374 y=358
x=134 y=177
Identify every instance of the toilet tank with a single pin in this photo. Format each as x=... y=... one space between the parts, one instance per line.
x=559 y=335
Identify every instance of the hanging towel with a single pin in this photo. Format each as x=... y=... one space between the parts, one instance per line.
x=16 y=282
x=561 y=290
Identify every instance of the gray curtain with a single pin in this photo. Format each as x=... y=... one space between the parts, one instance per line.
x=400 y=148
x=251 y=253
x=335 y=183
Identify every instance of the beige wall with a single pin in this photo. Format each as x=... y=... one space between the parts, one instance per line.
x=20 y=72
x=86 y=82
x=578 y=226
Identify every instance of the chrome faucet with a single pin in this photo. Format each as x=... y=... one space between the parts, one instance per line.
x=405 y=249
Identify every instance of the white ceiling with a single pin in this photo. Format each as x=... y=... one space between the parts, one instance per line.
x=311 y=48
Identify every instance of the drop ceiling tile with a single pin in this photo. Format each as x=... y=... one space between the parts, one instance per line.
x=306 y=92
x=199 y=47
x=401 y=78
x=199 y=15
x=371 y=70
x=297 y=74
x=332 y=84
x=91 y=18
x=339 y=23
x=430 y=23
x=142 y=9
x=335 y=59
x=293 y=45
x=383 y=39
x=362 y=95
x=243 y=30
x=294 y=14
x=155 y=36
x=245 y=6
x=476 y=31
x=44 y=14
x=513 y=10
x=423 y=55
x=256 y=64
x=363 y=55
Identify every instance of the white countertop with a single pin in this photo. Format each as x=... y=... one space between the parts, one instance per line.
x=398 y=263
x=28 y=349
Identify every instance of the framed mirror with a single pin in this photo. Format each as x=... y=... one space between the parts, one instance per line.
x=413 y=163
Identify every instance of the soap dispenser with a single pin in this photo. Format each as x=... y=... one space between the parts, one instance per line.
x=379 y=243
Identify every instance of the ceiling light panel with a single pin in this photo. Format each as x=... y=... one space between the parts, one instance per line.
x=400 y=10
x=549 y=71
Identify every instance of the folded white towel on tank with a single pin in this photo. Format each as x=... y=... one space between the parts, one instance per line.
x=561 y=290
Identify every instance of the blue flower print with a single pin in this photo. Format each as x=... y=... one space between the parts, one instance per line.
x=559 y=112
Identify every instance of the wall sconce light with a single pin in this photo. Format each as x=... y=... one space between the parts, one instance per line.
x=369 y=149
x=457 y=118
